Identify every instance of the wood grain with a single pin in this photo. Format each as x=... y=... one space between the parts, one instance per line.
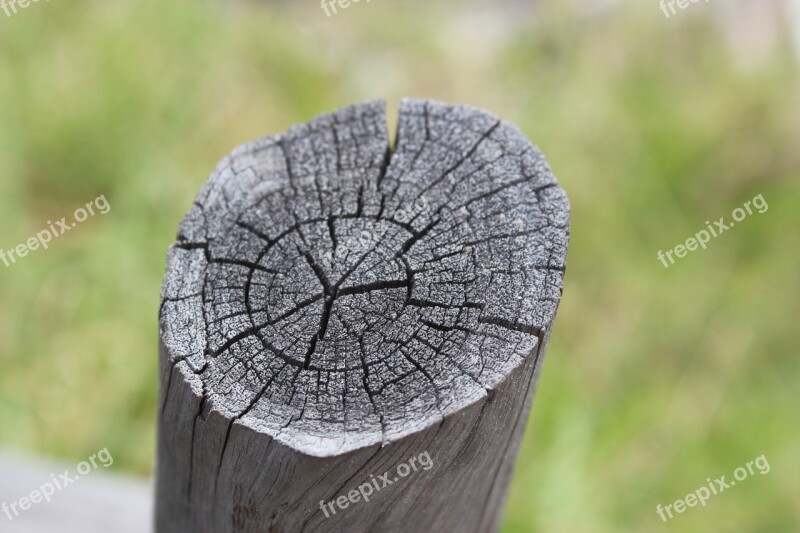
x=334 y=306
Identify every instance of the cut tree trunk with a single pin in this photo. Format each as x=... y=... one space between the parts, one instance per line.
x=341 y=317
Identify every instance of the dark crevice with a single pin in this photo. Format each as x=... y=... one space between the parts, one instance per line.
x=437 y=251
x=375 y=286
x=529 y=329
x=323 y=279
x=417 y=236
x=243 y=263
x=332 y=233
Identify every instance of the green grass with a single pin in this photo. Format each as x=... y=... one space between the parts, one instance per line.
x=655 y=379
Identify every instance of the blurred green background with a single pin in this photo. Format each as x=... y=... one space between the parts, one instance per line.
x=656 y=378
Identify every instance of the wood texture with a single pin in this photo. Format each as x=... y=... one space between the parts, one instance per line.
x=334 y=306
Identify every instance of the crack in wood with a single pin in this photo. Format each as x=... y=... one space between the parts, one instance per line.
x=293 y=326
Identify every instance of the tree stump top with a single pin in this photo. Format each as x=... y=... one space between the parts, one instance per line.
x=334 y=292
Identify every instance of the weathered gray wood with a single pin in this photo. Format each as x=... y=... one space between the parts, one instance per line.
x=334 y=307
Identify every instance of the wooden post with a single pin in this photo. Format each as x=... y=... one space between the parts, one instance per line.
x=340 y=318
